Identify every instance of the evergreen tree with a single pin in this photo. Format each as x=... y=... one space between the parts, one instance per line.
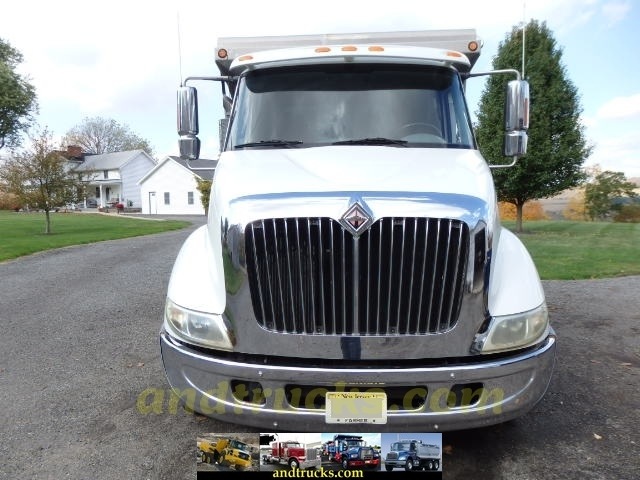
x=17 y=97
x=557 y=146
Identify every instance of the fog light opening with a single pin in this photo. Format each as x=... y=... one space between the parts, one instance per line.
x=248 y=392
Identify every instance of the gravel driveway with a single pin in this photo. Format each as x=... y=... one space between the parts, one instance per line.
x=83 y=394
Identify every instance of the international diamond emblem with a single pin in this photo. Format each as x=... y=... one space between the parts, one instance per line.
x=356 y=219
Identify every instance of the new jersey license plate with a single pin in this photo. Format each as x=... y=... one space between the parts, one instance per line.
x=356 y=407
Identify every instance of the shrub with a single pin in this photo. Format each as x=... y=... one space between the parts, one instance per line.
x=9 y=201
x=628 y=214
x=532 y=211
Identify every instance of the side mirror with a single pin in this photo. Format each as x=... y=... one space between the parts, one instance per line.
x=188 y=122
x=516 y=118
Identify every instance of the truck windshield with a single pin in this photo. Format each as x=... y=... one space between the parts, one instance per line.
x=350 y=104
x=239 y=445
x=400 y=446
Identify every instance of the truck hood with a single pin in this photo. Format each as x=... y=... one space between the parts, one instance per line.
x=324 y=182
x=353 y=169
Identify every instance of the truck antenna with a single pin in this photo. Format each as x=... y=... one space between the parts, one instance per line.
x=179 y=47
x=524 y=29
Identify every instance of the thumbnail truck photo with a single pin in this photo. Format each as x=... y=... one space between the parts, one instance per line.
x=353 y=271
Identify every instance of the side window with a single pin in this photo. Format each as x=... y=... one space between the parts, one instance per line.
x=167 y=200
x=190 y=198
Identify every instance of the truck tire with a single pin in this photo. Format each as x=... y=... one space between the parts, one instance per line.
x=430 y=465
x=293 y=463
x=345 y=463
x=409 y=465
x=388 y=468
x=221 y=460
x=436 y=464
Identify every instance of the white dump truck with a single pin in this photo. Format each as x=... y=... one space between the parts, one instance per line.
x=353 y=270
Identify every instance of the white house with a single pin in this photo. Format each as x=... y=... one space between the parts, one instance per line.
x=113 y=177
x=170 y=188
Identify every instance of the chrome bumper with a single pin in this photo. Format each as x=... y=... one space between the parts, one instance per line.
x=513 y=385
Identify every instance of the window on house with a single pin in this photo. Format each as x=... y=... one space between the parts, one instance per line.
x=97 y=192
x=167 y=200
x=190 y=198
x=105 y=173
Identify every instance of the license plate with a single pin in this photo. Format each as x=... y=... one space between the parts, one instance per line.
x=356 y=407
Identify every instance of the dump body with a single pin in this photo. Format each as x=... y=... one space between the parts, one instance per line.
x=427 y=457
x=353 y=245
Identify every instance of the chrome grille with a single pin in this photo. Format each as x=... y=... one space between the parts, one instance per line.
x=402 y=276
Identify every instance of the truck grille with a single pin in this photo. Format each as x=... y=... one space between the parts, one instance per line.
x=312 y=454
x=402 y=276
x=366 y=453
x=392 y=456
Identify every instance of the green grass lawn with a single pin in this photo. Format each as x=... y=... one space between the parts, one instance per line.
x=577 y=250
x=560 y=249
x=22 y=233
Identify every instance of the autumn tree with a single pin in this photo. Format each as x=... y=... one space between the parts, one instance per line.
x=204 y=187
x=40 y=177
x=99 y=135
x=17 y=98
x=557 y=145
x=575 y=209
x=603 y=195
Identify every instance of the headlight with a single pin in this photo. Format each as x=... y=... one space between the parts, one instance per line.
x=206 y=329
x=353 y=455
x=515 y=331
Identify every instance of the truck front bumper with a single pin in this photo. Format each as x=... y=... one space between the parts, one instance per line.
x=511 y=385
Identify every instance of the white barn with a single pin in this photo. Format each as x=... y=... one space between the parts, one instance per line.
x=170 y=187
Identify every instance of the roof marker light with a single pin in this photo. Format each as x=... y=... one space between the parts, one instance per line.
x=349 y=48
x=454 y=54
x=376 y=48
x=244 y=58
x=322 y=50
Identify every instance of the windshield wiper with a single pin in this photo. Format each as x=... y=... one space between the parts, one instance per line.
x=372 y=141
x=270 y=143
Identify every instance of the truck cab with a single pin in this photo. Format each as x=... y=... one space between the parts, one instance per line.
x=353 y=245
x=403 y=454
x=352 y=451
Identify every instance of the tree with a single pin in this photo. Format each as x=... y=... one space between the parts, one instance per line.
x=17 y=98
x=556 y=138
x=41 y=178
x=204 y=187
x=101 y=135
x=604 y=194
x=575 y=209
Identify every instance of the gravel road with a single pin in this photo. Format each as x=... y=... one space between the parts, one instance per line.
x=83 y=393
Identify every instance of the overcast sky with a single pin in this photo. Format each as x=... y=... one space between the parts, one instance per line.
x=120 y=59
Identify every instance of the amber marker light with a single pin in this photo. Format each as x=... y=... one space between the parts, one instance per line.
x=322 y=50
x=244 y=58
x=473 y=46
x=222 y=53
x=349 y=48
x=454 y=54
x=375 y=48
